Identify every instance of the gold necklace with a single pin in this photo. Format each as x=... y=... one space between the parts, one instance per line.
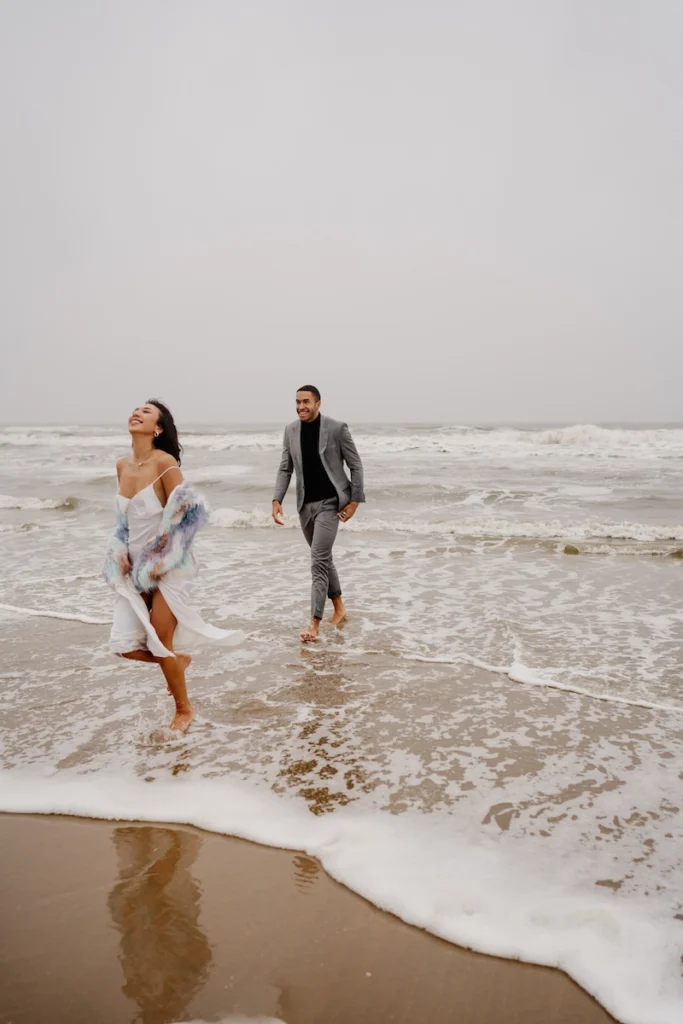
x=138 y=464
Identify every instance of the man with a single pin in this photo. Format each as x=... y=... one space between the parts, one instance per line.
x=317 y=448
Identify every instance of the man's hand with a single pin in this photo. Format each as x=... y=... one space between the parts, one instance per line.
x=348 y=511
x=278 y=514
x=124 y=564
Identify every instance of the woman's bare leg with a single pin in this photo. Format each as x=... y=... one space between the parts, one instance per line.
x=139 y=656
x=151 y=659
x=184 y=659
x=165 y=622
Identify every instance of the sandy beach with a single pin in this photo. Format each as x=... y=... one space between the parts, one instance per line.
x=129 y=922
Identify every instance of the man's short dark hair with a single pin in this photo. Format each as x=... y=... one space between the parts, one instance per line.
x=314 y=391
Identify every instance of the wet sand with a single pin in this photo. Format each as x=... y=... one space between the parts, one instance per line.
x=113 y=923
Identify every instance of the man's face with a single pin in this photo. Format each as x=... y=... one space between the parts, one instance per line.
x=307 y=406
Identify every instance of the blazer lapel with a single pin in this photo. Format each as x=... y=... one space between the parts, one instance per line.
x=323 y=434
x=296 y=444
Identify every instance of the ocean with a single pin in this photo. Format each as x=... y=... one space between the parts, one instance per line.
x=492 y=746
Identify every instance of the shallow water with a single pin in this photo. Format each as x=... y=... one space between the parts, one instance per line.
x=495 y=710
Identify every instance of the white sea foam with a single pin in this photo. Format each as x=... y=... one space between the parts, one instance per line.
x=491 y=527
x=577 y=491
x=627 y=549
x=71 y=578
x=34 y=437
x=217 y=473
x=46 y=613
x=9 y=502
x=236 y=1018
x=504 y=529
x=241 y=519
x=520 y=673
x=580 y=439
x=481 y=895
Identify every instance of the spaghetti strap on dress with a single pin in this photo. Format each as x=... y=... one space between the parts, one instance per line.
x=160 y=475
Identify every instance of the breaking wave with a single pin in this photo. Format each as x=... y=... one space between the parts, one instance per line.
x=485 y=528
x=68 y=504
x=581 y=439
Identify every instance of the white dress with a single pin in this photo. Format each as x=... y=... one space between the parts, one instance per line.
x=132 y=629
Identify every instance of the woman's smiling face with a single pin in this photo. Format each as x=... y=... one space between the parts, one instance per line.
x=143 y=420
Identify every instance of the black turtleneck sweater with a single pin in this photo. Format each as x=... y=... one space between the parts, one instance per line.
x=317 y=484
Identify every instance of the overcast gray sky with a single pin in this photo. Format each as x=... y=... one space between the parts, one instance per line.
x=462 y=211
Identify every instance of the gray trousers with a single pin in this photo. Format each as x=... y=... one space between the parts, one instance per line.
x=320 y=522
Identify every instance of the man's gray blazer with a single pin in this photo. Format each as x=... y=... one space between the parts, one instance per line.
x=336 y=448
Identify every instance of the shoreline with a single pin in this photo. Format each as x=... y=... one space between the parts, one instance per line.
x=246 y=929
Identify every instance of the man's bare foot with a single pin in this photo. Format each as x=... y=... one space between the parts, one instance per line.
x=184 y=660
x=312 y=632
x=338 y=615
x=183 y=719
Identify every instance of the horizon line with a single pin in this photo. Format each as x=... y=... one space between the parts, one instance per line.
x=365 y=423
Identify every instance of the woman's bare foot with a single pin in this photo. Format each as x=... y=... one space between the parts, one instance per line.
x=312 y=632
x=183 y=718
x=184 y=660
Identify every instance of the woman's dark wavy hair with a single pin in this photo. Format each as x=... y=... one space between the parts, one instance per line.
x=167 y=441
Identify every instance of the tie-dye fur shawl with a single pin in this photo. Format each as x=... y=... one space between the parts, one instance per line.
x=185 y=512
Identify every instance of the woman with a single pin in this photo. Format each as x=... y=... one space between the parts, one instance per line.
x=149 y=561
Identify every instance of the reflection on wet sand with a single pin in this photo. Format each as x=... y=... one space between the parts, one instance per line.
x=306 y=870
x=325 y=687
x=155 y=905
